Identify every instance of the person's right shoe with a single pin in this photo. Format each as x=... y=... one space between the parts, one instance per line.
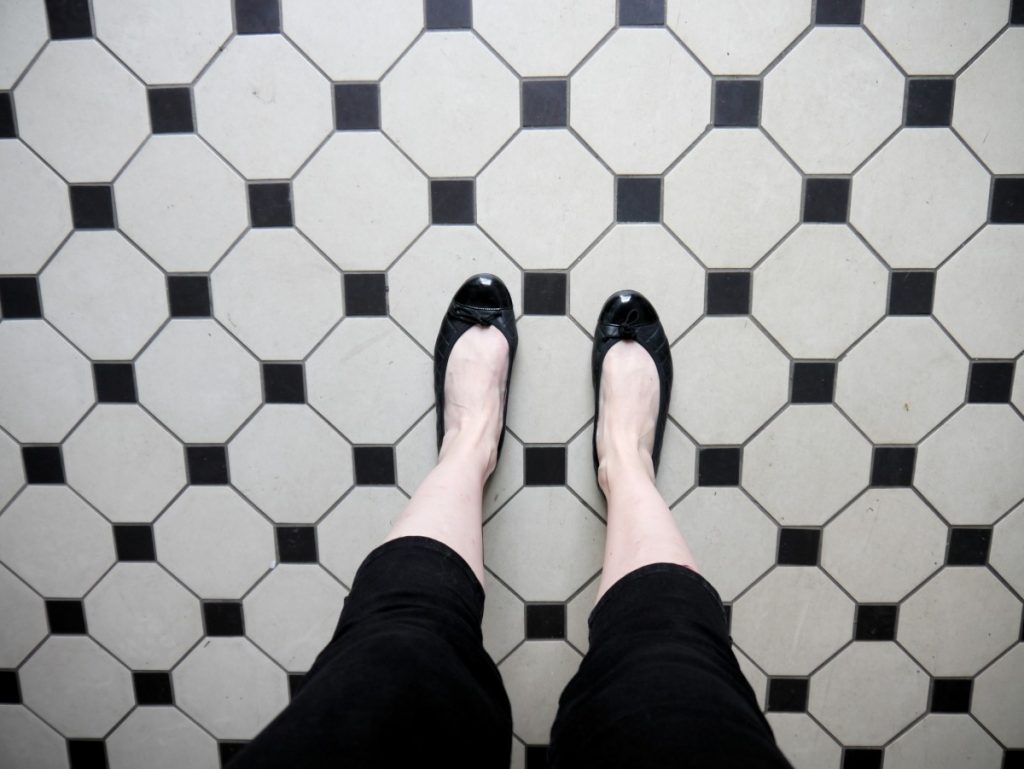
x=627 y=314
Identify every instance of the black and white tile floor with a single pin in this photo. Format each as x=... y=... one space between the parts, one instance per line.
x=228 y=232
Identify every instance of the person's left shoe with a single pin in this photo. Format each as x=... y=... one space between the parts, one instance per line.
x=482 y=300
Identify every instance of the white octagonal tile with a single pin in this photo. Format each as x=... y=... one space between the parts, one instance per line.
x=263 y=106
x=21 y=35
x=711 y=204
x=998 y=698
x=983 y=91
x=27 y=741
x=141 y=615
x=543 y=408
x=230 y=688
x=422 y=283
x=535 y=675
x=640 y=100
x=959 y=622
x=357 y=525
x=771 y=622
x=979 y=293
x=55 y=542
x=729 y=379
x=12 y=469
x=944 y=741
x=807 y=464
x=732 y=540
x=367 y=365
x=919 y=198
x=351 y=40
x=181 y=203
x=361 y=200
x=804 y=742
x=76 y=686
x=104 y=295
x=449 y=103
x=544 y=543
x=504 y=623
x=541 y=38
x=1007 y=545
x=198 y=381
x=884 y=545
x=45 y=383
x=81 y=110
x=901 y=380
x=27 y=240
x=24 y=620
x=163 y=42
x=819 y=291
x=276 y=294
x=738 y=38
x=214 y=542
x=292 y=614
x=832 y=100
x=544 y=198
x=161 y=738
x=124 y=462
x=970 y=468
x=868 y=693
x=645 y=258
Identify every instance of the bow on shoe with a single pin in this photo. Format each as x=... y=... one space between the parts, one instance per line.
x=616 y=331
x=484 y=315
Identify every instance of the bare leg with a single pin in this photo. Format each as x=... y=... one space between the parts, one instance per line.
x=448 y=504
x=641 y=529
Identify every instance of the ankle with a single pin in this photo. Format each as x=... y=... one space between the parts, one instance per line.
x=624 y=463
x=473 y=444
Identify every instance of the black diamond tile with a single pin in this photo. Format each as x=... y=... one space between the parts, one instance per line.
x=228 y=750
x=951 y=695
x=545 y=620
x=787 y=695
x=1007 y=200
x=719 y=466
x=1013 y=758
x=7 y=127
x=813 y=382
x=356 y=106
x=152 y=688
x=544 y=293
x=826 y=200
x=637 y=199
x=728 y=293
x=544 y=465
x=737 y=103
x=929 y=102
x=207 y=465
x=366 y=293
x=452 y=201
x=448 y=14
x=270 y=204
x=374 y=465
x=991 y=381
x=545 y=103
x=875 y=622
x=1017 y=12
x=19 y=297
x=968 y=546
x=536 y=757
x=87 y=754
x=798 y=547
x=92 y=206
x=283 y=383
x=10 y=690
x=43 y=464
x=862 y=758
x=838 y=11
x=296 y=544
x=257 y=17
x=189 y=296
x=115 y=382
x=68 y=19
x=911 y=293
x=66 y=617
x=893 y=466
x=641 y=13
x=170 y=110
x=134 y=542
x=295 y=683
x=223 y=618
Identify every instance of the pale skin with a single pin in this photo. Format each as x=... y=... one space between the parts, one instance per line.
x=448 y=504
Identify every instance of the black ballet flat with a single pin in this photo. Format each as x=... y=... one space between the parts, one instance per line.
x=629 y=315
x=482 y=300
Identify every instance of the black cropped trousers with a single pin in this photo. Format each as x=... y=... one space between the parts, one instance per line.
x=405 y=681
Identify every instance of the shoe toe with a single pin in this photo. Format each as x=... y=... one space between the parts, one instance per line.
x=484 y=290
x=627 y=308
